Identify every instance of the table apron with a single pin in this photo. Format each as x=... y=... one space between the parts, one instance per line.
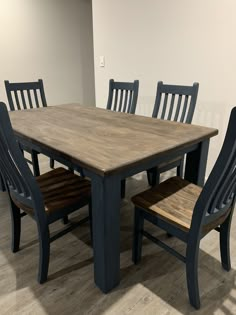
x=125 y=171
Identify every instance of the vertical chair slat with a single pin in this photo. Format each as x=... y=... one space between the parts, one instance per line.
x=121 y=101
x=30 y=99
x=184 y=110
x=23 y=99
x=36 y=98
x=171 y=107
x=125 y=101
x=115 y=101
x=130 y=95
x=164 y=107
x=17 y=100
x=178 y=108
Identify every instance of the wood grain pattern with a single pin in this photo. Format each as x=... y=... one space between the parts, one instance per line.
x=60 y=189
x=104 y=141
x=174 y=200
x=144 y=289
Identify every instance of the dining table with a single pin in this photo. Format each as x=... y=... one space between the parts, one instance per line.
x=107 y=147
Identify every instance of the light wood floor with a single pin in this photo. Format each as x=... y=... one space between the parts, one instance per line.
x=156 y=286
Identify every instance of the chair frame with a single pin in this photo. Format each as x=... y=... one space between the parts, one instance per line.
x=22 y=186
x=213 y=210
x=186 y=116
x=128 y=104
x=20 y=87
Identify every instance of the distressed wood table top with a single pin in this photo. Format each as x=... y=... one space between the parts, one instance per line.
x=104 y=141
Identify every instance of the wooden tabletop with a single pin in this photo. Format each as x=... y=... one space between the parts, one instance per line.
x=102 y=140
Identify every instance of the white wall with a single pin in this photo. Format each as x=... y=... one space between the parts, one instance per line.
x=178 y=42
x=52 y=40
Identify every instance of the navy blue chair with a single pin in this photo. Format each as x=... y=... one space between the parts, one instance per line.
x=175 y=103
x=46 y=198
x=27 y=95
x=123 y=96
x=190 y=212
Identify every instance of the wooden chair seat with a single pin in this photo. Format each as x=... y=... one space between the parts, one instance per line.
x=60 y=189
x=172 y=201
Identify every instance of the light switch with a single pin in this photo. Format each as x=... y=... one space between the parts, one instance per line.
x=102 y=61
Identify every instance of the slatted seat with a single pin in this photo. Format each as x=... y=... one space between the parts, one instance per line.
x=175 y=103
x=27 y=95
x=61 y=189
x=189 y=212
x=47 y=198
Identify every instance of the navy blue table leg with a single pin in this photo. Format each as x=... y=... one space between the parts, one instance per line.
x=106 y=231
x=196 y=161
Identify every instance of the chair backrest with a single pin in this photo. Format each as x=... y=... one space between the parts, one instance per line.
x=123 y=96
x=17 y=176
x=25 y=95
x=218 y=194
x=175 y=102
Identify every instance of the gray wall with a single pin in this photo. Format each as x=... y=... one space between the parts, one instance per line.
x=52 y=40
x=178 y=42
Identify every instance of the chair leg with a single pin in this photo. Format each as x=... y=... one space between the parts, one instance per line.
x=16 y=227
x=35 y=161
x=180 y=169
x=52 y=163
x=225 y=243
x=153 y=176
x=2 y=184
x=137 y=235
x=44 y=253
x=192 y=274
x=65 y=219
x=123 y=185
x=91 y=221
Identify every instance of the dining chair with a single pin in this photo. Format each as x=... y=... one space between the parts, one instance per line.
x=27 y=95
x=46 y=198
x=175 y=103
x=123 y=96
x=190 y=212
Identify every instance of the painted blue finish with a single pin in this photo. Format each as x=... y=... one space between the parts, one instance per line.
x=123 y=96
x=26 y=95
x=175 y=103
x=23 y=188
x=213 y=209
x=106 y=205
